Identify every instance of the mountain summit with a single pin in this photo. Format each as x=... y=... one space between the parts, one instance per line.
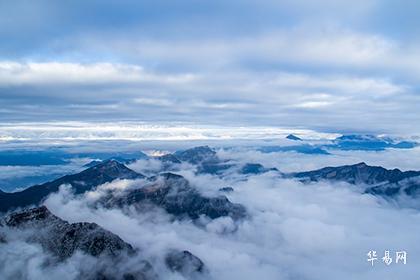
x=62 y=238
x=86 y=180
x=174 y=193
x=359 y=173
x=293 y=137
x=197 y=155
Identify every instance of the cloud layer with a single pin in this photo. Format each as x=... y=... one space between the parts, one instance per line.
x=135 y=131
x=322 y=65
x=294 y=231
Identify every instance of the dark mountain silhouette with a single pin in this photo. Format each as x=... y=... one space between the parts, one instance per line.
x=302 y=149
x=226 y=189
x=62 y=238
x=185 y=263
x=86 y=180
x=255 y=168
x=409 y=186
x=213 y=167
x=369 y=142
x=207 y=162
x=293 y=137
x=197 y=155
x=170 y=191
x=375 y=179
x=168 y=158
x=173 y=193
x=119 y=159
x=205 y=158
x=360 y=173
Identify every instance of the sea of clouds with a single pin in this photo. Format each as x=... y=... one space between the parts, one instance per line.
x=294 y=231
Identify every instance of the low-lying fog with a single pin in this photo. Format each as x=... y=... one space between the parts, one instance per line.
x=294 y=231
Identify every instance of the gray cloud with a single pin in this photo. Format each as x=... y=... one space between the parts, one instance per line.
x=322 y=65
x=277 y=99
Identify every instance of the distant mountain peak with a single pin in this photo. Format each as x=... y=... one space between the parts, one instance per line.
x=104 y=172
x=357 y=137
x=168 y=158
x=88 y=237
x=112 y=169
x=184 y=262
x=369 y=142
x=108 y=164
x=293 y=137
x=92 y=163
x=197 y=155
x=359 y=173
x=202 y=148
x=35 y=214
x=169 y=179
x=111 y=162
x=255 y=168
x=174 y=193
x=62 y=240
x=121 y=160
x=170 y=175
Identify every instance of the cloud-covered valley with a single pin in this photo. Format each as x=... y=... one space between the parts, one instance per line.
x=293 y=230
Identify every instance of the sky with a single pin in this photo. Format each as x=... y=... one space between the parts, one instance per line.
x=323 y=65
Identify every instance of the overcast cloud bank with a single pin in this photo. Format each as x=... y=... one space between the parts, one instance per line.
x=323 y=65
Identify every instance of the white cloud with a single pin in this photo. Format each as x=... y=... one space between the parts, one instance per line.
x=45 y=73
x=153 y=101
x=211 y=70
x=345 y=85
x=137 y=131
x=331 y=77
x=295 y=231
x=317 y=231
x=404 y=159
x=314 y=104
x=328 y=45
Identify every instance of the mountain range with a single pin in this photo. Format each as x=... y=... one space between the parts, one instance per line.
x=105 y=172
x=168 y=191
x=156 y=189
x=376 y=179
